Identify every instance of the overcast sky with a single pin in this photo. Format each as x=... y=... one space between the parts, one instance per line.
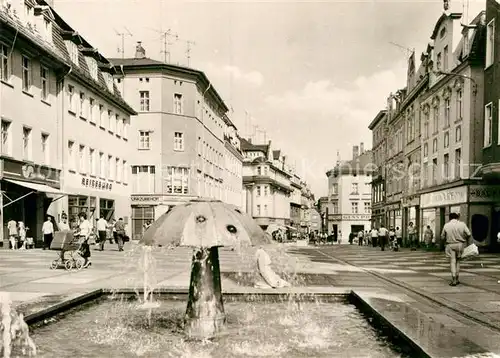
x=312 y=74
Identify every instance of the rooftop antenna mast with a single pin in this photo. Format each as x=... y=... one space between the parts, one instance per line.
x=408 y=51
x=166 y=44
x=122 y=35
x=189 y=43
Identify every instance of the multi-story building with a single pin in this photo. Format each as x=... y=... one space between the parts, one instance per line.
x=452 y=129
x=378 y=126
x=49 y=74
x=323 y=209
x=295 y=201
x=185 y=145
x=349 y=205
x=395 y=171
x=266 y=181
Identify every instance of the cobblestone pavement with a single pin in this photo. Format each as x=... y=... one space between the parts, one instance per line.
x=425 y=272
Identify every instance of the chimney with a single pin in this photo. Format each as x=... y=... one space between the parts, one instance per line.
x=140 y=52
x=361 y=148
x=355 y=151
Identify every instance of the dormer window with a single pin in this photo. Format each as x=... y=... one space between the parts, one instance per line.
x=28 y=15
x=73 y=51
x=47 y=30
x=109 y=80
x=92 y=65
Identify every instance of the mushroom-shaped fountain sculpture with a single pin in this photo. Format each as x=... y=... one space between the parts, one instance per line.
x=205 y=225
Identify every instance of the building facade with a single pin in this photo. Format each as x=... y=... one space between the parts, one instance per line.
x=378 y=126
x=452 y=109
x=42 y=58
x=185 y=145
x=349 y=204
x=267 y=184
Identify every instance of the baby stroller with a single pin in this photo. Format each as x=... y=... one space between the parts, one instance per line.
x=394 y=244
x=66 y=243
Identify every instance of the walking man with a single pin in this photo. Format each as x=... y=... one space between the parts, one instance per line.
x=456 y=234
x=102 y=224
x=374 y=234
x=399 y=236
x=48 y=233
x=360 y=237
x=120 y=233
x=383 y=235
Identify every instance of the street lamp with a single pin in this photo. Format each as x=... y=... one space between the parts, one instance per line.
x=459 y=75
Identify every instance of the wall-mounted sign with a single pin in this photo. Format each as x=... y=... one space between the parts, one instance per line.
x=484 y=193
x=145 y=199
x=395 y=206
x=32 y=172
x=444 y=197
x=350 y=217
x=96 y=184
x=413 y=200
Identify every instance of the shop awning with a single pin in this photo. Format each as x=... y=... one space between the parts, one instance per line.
x=42 y=188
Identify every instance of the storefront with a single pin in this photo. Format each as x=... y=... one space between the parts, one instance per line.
x=393 y=215
x=411 y=213
x=484 y=214
x=436 y=206
x=29 y=193
x=95 y=197
x=344 y=224
x=145 y=209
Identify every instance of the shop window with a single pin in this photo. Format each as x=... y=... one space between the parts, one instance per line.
x=80 y=204
x=140 y=217
x=107 y=209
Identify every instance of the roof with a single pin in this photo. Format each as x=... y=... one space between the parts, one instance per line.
x=377 y=119
x=247 y=146
x=362 y=164
x=442 y=18
x=154 y=65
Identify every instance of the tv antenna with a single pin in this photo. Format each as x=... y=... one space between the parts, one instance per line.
x=122 y=35
x=408 y=51
x=188 y=49
x=165 y=36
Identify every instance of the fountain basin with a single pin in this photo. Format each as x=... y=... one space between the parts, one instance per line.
x=258 y=325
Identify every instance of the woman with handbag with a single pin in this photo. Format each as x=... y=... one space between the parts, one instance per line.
x=84 y=232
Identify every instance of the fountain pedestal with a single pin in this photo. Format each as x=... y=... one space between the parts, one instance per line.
x=205 y=316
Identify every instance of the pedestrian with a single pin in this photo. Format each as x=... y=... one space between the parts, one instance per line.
x=351 y=238
x=48 y=233
x=22 y=235
x=412 y=236
x=63 y=225
x=456 y=235
x=367 y=239
x=399 y=236
x=340 y=237
x=428 y=236
x=120 y=233
x=84 y=231
x=360 y=237
x=102 y=224
x=374 y=235
x=12 y=227
x=383 y=235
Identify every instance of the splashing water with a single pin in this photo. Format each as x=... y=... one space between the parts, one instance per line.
x=147 y=265
x=14 y=331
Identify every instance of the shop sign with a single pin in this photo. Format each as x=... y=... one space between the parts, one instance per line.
x=32 y=172
x=396 y=206
x=145 y=199
x=413 y=200
x=484 y=193
x=96 y=184
x=335 y=217
x=445 y=197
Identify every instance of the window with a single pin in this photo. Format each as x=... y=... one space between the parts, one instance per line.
x=426 y=150
x=446 y=140
x=266 y=190
x=434 y=171
x=28 y=15
x=92 y=65
x=81 y=159
x=101 y=116
x=5 y=63
x=118 y=169
x=458 y=163
x=110 y=120
x=144 y=140
x=490 y=43
x=265 y=170
x=119 y=123
x=73 y=51
x=335 y=208
x=438 y=62
x=265 y=210
x=435 y=119
x=355 y=188
x=27 y=143
x=258 y=210
x=434 y=145
x=82 y=105
x=144 y=101
x=143 y=179
x=111 y=168
x=176 y=181
x=367 y=207
x=426 y=124
x=178 y=103
x=446 y=166
x=109 y=80
x=459 y=104
x=47 y=29
x=125 y=172
x=335 y=189
x=71 y=99
x=447 y=112
x=26 y=73
x=410 y=127
x=92 y=162
x=445 y=58
x=125 y=129
x=91 y=110
x=488 y=109
x=44 y=83
x=102 y=165
x=354 y=207
x=259 y=170
x=141 y=216
x=258 y=190
x=458 y=134
x=45 y=148
x=178 y=141
x=6 y=142
x=71 y=155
